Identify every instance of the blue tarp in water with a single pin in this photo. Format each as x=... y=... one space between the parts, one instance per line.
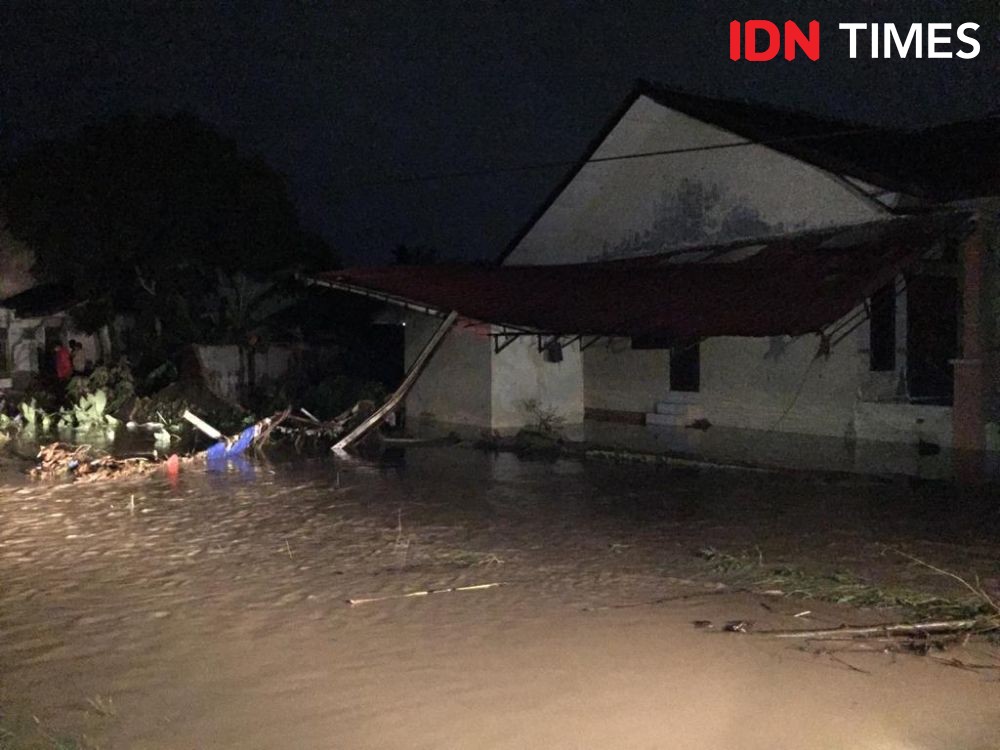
x=224 y=449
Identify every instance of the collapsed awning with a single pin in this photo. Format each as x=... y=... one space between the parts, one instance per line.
x=788 y=286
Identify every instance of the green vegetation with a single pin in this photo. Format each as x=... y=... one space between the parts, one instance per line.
x=116 y=382
x=840 y=586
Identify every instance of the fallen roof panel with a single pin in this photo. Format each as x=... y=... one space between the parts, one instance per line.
x=792 y=286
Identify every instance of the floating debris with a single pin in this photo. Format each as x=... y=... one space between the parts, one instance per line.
x=426 y=592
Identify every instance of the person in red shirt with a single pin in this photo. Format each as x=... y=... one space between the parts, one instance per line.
x=63 y=363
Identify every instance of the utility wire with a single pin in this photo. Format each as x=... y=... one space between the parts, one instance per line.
x=537 y=166
x=543 y=165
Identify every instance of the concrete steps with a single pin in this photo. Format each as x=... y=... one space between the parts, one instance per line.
x=680 y=411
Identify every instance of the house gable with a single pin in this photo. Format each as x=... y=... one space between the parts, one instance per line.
x=659 y=180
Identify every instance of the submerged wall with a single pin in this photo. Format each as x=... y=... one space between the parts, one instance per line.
x=618 y=378
x=524 y=383
x=467 y=384
x=454 y=388
x=771 y=385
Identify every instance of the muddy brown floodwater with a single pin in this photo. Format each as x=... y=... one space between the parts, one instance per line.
x=211 y=613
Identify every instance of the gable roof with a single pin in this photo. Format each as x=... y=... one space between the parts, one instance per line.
x=939 y=164
x=949 y=162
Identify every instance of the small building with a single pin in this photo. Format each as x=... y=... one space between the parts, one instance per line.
x=719 y=263
x=32 y=322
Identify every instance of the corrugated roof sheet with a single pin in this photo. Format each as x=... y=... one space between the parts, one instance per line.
x=790 y=286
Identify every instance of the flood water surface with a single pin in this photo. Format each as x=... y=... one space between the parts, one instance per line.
x=211 y=612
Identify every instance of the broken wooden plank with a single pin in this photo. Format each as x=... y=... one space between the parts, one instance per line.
x=425 y=592
x=202 y=425
x=892 y=629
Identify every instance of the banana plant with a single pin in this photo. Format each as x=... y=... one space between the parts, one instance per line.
x=91 y=410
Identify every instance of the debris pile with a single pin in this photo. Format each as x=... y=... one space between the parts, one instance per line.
x=305 y=427
x=922 y=636
x=82 y=462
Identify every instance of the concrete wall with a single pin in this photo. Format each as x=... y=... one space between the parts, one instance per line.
x=619 y=378
x=455 y=386
x=771 y=385
x=774 y=385
x=644 y=206
x=220 y=366
x=521 y=375
x=742 y=386
x=467 y=384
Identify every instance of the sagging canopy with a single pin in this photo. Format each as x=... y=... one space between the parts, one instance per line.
x=788 y=286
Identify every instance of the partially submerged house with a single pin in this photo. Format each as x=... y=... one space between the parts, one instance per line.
x=717 y=263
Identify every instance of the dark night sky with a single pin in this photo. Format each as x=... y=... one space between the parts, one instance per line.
x=340 y=94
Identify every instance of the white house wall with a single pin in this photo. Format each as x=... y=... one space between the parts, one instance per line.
x=772 y=385
x=741 y=386
x=619 y=378
x=648 y=205
x=467 y=384
x=454 y=388
x=522 y=376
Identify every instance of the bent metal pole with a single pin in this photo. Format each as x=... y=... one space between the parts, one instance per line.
x=411 y=377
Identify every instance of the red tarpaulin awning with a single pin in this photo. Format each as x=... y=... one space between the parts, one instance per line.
x=791 y=286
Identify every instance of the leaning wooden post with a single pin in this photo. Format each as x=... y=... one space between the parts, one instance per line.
x=411 y=377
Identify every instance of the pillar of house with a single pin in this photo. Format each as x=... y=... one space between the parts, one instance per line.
x=968 y=408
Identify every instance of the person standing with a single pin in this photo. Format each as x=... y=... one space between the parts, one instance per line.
x=63 y=363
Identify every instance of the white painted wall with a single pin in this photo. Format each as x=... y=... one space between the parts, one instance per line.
x=220 y=366
x=742 y=383
x=629 y=208
x=619 y=378
x=773 y=385
x=454 y=388
x=467 y=384
x=521 y=374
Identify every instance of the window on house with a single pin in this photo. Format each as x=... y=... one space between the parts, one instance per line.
x=882 y=329
x=685 y=368
x=932 y=331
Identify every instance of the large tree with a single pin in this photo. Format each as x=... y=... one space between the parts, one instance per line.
x=146 y=214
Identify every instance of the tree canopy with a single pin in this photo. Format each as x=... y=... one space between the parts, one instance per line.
x=163 y=218
x=153 y=206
